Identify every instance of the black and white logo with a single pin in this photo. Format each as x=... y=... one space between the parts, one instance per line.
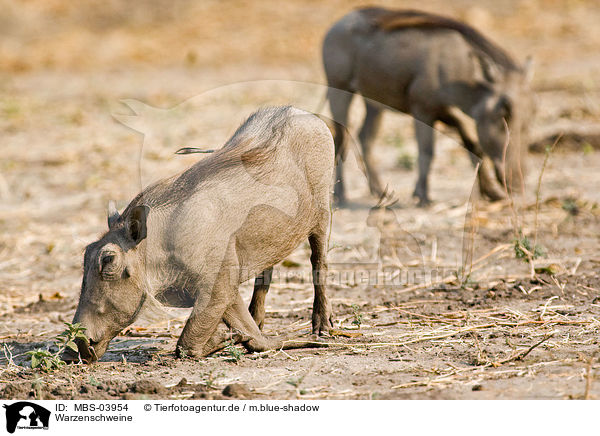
x=26 y=415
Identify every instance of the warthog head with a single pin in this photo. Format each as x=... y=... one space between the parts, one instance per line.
x=113 y=287
x=508 y=98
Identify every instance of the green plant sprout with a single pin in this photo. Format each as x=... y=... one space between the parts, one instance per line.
x=47 y=360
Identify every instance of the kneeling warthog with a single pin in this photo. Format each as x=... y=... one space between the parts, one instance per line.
x=191 y=239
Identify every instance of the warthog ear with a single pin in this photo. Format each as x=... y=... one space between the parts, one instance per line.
x=113 y=214
x=490 y=70
x=136 y=224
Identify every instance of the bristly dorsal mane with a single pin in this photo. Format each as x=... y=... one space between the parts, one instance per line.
x=252 y=145
x=390 y=20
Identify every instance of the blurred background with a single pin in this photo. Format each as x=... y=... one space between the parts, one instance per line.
x=112 y=35
x=65 y=66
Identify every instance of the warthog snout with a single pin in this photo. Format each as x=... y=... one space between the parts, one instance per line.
x=85 y=352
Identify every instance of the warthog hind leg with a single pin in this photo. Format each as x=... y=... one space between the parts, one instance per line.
x=322 y=314
x=238 y=318
x=261 y=287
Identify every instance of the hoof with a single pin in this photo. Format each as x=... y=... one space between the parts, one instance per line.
x=422 y=201
x=321 y=325
x=423 y=198
x=319 y=338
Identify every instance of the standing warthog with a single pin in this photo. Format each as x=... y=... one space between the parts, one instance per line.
x=435 y=69
x=191 y=239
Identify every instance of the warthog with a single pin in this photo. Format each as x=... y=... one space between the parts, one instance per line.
x=435 y=69
x=191 y=239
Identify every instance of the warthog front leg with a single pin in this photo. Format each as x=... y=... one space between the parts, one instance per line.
x=196 y=341
x=488 y=186
x=196 y=337
x=209 y=309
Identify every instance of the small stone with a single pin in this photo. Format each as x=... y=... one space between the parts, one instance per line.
x=237 y=390
x=182 y=383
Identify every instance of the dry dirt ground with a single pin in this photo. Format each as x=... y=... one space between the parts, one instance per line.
x=486 y=324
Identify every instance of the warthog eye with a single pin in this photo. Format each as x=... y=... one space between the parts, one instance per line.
x=110 y=262
x=109 y=258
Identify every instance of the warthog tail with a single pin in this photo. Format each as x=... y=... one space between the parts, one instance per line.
x=190 y=150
